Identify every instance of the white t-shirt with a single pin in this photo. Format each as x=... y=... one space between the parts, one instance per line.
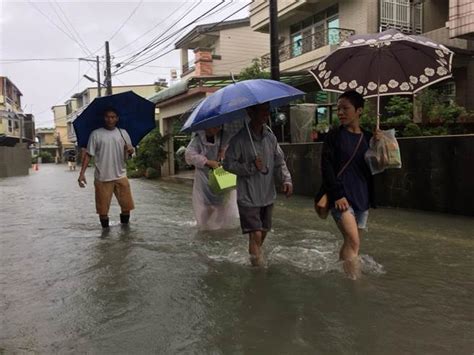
x=108 y=149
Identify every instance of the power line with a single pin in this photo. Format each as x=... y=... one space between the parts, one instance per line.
x=54 y=23
x=176 y=33
x=72 y=29
x=151 y=29
x=59 y=28
x=154 y=42
x=169 y=51
x=38 y=59
x=128 y=19
x=209 y=13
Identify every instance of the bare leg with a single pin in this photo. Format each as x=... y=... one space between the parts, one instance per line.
x=349 y=252
x=255 y=242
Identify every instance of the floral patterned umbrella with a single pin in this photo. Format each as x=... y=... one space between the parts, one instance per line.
x=386 y=63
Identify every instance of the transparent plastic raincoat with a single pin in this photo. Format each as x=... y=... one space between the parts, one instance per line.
x=212 y=211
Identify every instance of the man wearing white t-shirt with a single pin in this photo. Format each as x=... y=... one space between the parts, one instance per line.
x=109 y=146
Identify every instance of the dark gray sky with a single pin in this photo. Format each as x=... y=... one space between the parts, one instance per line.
x=35 y=29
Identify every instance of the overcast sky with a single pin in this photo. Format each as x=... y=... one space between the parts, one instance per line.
x=42 y=29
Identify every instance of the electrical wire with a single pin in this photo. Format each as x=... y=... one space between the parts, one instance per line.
x=154 y=42
x=72 y=28
x=126 y=20
x=169 y=51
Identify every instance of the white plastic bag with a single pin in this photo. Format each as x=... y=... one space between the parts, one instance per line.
x=384 y=153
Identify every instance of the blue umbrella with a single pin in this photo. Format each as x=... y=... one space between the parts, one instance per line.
x=136 y=116
x=229 y=103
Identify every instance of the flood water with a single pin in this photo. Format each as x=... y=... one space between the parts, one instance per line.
x=162 y=287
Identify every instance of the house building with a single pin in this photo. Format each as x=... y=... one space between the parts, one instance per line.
x=60 y=125
x=309 y=30
x=46 y=141
x=15 y=125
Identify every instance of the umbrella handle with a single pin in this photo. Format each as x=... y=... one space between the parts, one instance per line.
x=251 y=139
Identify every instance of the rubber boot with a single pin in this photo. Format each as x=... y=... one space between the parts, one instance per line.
x=124 y=218
x=104 y=222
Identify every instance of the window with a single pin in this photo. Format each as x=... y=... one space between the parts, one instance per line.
x=315 y=31
x=447 y=91
x=10 y=126
x=403 y=15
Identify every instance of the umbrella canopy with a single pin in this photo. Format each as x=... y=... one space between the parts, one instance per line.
x=136 y=116
x=386 y=63
x=229 y=103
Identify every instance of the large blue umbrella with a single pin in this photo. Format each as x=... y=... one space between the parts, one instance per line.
x=230 y=102
x=136 y=116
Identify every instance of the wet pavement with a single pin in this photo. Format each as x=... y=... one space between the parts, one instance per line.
x=160 y=286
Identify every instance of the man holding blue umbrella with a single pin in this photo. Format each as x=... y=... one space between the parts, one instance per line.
x=256 y=158
x=109 y=145
x=253 y=154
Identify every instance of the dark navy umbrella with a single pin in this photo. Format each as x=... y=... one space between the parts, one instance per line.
x=136 y=116
x=230 y=102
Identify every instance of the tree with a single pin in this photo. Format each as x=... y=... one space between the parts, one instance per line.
x=254 y=71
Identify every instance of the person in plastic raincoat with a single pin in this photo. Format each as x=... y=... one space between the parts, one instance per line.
x=212 y=211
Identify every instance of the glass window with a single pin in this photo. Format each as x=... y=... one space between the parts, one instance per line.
x=296 y=45
x=333 y=31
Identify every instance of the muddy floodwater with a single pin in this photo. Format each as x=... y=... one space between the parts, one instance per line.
x=160 y=286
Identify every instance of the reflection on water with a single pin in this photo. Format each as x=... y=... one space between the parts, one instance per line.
x=161 y=286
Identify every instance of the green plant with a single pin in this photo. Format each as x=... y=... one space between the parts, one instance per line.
x=152 y=173
x=150 y=152
x=132 y=169
x=400 y=111
x=435 y=131
x=254 y=71
x=412 y=130
x=322 y=127
x=449 y=113
x=46 y=157
x=429 y=99
x=368 y=118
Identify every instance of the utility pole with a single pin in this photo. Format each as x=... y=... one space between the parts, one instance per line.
x=99 y=86
x=108 y=71
x=274 y=45
x=97 y=80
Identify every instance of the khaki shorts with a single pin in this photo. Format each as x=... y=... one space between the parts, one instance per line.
x=104 y=191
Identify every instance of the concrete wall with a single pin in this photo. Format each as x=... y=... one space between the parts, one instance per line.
x=437 y=174
x=14 y=161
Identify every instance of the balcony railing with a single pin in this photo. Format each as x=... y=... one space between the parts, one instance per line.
x=319 y=39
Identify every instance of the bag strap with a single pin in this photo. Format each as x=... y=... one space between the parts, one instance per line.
x=353 y=155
